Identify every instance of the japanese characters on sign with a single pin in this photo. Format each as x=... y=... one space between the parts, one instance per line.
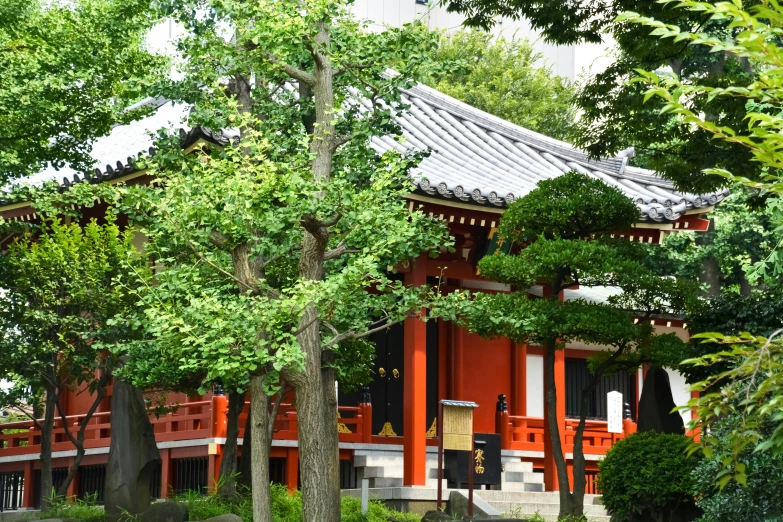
x=614 y=412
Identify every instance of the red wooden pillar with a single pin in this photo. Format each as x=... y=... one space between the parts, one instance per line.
x=166 y=479
x=502 y=424
x=27 y=494
x=696 y=432
x=518 y=403
x=550 y=471
x=366 y=412
x=292 y=469
x=415 y=389
x=219 y=420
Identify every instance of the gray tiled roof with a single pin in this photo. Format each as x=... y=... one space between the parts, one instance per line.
x=481 y=159
x=476 y=157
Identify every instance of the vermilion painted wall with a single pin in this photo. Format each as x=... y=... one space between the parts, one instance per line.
x=485 y=373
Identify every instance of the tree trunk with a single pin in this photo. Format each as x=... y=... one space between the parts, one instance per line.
x=315 y=393
x=319 y=451
x=745 y=287
x=566 y=499
x=228 y=467
x=261 y=436
x=710 y=274
x=245 y=481
x=78 y=440
x=46 y=448
x=578 y=496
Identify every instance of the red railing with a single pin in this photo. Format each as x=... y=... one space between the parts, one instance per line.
x=188 y=421
x=527 y=433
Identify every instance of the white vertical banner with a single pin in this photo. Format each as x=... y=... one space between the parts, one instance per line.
x=614 y=412
x=337 y=394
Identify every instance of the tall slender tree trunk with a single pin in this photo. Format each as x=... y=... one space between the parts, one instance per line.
x=578 y=495
x=580 y=482
x=315 y=393
x=319 y=451
x=228 y=467
x=261 y=437
x=566 y=498
x=46 y=447
x=245 y=465
x=710 y=274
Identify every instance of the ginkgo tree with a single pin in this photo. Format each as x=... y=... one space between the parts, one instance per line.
x=275 y=248
x=69 y=71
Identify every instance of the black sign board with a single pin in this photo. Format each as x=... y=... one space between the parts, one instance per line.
x=486 y=462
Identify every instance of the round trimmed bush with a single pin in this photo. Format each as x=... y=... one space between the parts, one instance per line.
x=648 y=477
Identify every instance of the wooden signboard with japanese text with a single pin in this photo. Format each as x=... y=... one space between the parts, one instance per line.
x=457 y=428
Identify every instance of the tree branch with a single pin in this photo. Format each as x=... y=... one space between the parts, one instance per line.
x=276 y=408
x=290 y=70
x=352 y=335
x=338 y=251
x=337 y=141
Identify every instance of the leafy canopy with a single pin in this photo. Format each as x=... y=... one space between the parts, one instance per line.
x=751 y=386
x=68 y=72
x=228 y=225
x=506 y=78
x=62 y=287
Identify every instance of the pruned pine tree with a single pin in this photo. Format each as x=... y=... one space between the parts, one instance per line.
x=563 y=232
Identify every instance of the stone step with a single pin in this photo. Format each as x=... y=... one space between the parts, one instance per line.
x=386 y=482
x=523 y=486
x=518 y=465
x=523 y=476
x=542 y=509
x=548 y=497
x=379 y=471
x=391 y=460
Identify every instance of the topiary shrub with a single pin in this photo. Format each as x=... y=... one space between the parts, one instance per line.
x=648 y=477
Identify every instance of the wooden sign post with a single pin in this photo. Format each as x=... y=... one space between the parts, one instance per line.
x=455 y=432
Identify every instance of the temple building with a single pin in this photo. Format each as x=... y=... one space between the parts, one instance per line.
x=479 y=165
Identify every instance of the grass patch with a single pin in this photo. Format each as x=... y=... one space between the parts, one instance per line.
x=86 y=510
x=287 y=508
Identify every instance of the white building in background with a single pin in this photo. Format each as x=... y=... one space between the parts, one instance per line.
x=569 y=61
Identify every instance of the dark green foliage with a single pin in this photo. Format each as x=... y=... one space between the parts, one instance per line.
x=743 y=234
x=731 y=314
x=758 y=500
x=614 y=113
x=646 y=476
x=569 y=207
